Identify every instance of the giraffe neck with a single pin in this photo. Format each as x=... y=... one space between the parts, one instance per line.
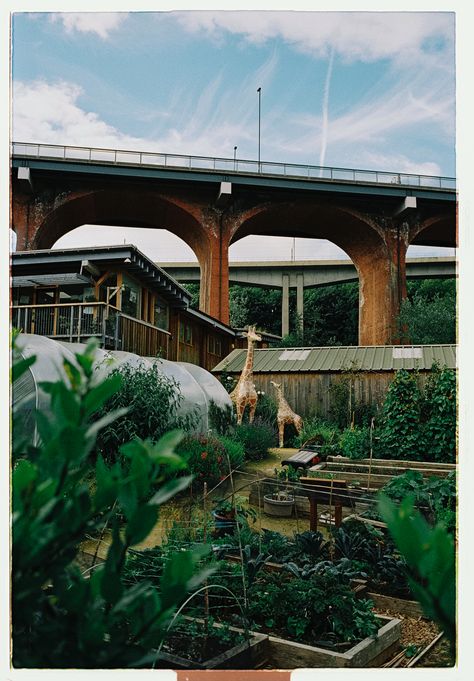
x=248 y=367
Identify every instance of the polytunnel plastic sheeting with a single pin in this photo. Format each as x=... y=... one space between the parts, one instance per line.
x=215 y=391
x=194 y=399
x=196 y=385
x=27 y=394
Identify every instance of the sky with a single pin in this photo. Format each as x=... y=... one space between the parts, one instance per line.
x=373 y=90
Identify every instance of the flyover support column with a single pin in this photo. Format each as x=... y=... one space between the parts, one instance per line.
x=285 y=305
x=300 y=301
x=382 y=284
x=214 y=263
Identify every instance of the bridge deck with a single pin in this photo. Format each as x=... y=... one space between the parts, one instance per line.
x=232 y=167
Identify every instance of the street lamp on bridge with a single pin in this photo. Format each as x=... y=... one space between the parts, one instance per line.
x=235 y=150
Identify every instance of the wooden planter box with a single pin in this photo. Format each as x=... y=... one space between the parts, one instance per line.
x=402 y=606
x=370 y=652
x=250 y=654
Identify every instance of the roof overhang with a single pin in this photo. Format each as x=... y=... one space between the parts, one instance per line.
x=53 y=263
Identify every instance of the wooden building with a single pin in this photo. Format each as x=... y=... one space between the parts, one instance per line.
x=118 y=295
x=307 y=375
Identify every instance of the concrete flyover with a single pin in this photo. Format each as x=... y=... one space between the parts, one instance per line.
x=301 y=274
x=211 y=203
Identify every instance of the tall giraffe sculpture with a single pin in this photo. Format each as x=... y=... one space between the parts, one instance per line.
x=285 y=414
x=244 y=392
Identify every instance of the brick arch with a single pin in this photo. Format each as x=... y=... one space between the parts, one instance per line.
x=437 y=230
x=121 y=208
x=377 y=247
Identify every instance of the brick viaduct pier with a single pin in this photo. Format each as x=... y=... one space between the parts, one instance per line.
x=210 y=203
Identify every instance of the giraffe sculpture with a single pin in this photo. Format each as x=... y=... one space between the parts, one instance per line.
x=285 y=414
x=244 y=392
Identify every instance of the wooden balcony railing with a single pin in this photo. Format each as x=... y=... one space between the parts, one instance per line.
x=77 y=322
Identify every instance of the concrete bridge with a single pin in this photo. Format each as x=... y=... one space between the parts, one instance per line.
x=213 y=202
x=301 y=274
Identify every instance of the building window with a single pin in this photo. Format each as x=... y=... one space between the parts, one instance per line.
x=22 y=296
x=130 y=297
x=185 y=333
x=214 y=345
x=161 y=314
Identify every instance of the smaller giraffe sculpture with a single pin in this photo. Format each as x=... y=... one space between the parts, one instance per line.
x=285 y=414
x=244 y=392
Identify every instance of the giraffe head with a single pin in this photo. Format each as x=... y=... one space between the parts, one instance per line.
x=277 y=386
x=252 y=335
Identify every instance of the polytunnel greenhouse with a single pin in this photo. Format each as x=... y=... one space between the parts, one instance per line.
x=197 y=386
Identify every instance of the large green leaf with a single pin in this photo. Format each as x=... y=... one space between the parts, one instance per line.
x=141 y=523
x=106 y=485
x=96 y=397
x=23 y=475
x=19 y=367
x=112 y=416
x=169 y=489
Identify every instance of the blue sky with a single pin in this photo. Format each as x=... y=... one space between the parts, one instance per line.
x=369 y=90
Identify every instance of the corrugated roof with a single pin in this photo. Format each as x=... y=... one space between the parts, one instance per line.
x=365 y=358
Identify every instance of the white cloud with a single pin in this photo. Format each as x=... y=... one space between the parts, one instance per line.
x=364 y=36
x=49 y=113
x=101 y=23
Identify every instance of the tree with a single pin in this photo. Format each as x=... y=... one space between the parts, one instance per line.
x=428 y=315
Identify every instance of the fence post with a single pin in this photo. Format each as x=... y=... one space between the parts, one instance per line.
x=116 y=335
x=71 y=323
x=79 y=322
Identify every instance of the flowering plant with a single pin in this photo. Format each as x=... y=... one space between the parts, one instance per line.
x=206 y=458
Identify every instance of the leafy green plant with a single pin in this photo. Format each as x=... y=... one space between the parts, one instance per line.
x=312 y=544
x=436 y=497
x=152 y=401
x=234 y=451
x=310 y=609
x=61 y=618
x=430 y=556
x=355 y=443
x=400 y=435
x=257 y=438
x=317 y=432
x=349 y=544
x=440 y=405
x=288 y=473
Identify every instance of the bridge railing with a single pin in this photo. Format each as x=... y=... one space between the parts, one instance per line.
x=148 y=159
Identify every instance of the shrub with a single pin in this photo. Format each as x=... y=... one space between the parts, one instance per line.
x=266 y=408
x=152 y=401
x=355 y=443
x=205 y=457
x=256 y=438
x=439 y=402
x=235 y=451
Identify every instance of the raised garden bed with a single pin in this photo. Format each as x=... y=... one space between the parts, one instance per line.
x=370 y=652
x=381 y=470
x=249 y=654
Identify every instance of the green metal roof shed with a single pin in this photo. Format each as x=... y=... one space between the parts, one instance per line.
x=334 y=359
